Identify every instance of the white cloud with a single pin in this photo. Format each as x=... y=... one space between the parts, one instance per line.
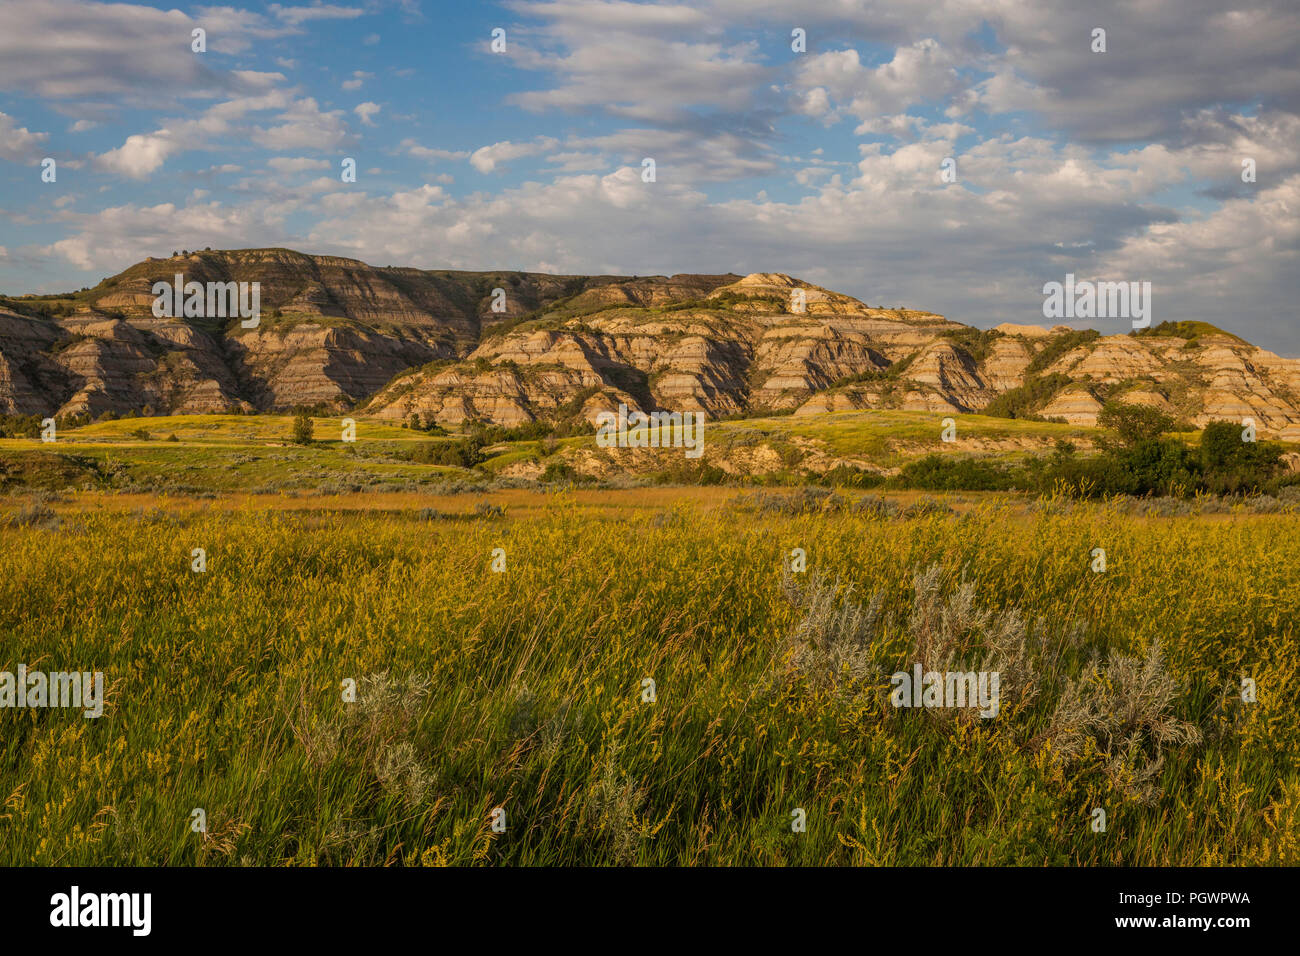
x=647 y=62
x=920 y=72
x=254 y=80
x=1236 y=264
x=367 y=112
x=317 y=11
x=17 y=143
x=304 y=125
x=358 y=78
x=61 y=49
x=141 y=154
x=112 y=238
x=685 y=155
x=577 y=162
x=296 y=164
x=301 y=124
x=486 y=158
x=412 y=148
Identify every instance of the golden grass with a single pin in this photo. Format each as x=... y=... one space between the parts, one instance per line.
x=525 y=687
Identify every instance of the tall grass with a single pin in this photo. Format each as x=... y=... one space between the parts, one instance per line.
x=524 y=689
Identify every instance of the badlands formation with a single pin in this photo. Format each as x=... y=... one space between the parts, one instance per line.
x=511 y=347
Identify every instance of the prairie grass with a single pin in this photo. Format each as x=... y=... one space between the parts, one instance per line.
x=524 y=690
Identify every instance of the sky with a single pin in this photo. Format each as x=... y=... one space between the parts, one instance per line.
x=823 y=159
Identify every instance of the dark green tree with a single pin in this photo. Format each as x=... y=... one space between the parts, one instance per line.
x=1134 y=423
x=1232 y=464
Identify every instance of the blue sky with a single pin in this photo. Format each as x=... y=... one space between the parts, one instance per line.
x=823 y=164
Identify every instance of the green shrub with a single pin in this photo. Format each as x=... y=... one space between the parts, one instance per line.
x=691 y=472
x=465 y=453
x=559 y=471
x=1134 y=423
x=1053 y=350
x=937 y=472
x=1025 y=400
x=849 y=476
x=1233 y=465
x=302 y=429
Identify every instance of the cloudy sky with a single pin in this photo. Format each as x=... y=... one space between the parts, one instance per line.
x=823 y=163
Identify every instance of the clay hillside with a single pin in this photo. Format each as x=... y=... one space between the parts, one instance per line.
x=391 y=342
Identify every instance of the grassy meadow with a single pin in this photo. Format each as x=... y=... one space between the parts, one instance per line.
x=524 y=688
x=224 y=454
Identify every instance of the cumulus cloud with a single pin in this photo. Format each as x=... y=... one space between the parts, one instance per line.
x=1238 y=262
x=367 y=112
x=1165 y=59
x=317 y=11
x=304 y=124
x=669 y=67
x=688 y=155
x=62 y=49
x=111 y=238
x=574 y=162
x=920 y=72
x=486 y=159
x=359 y=77
x=17 y=143
x=297 y=124
x=296 y=164
x=141 y=154
x=412 y=148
